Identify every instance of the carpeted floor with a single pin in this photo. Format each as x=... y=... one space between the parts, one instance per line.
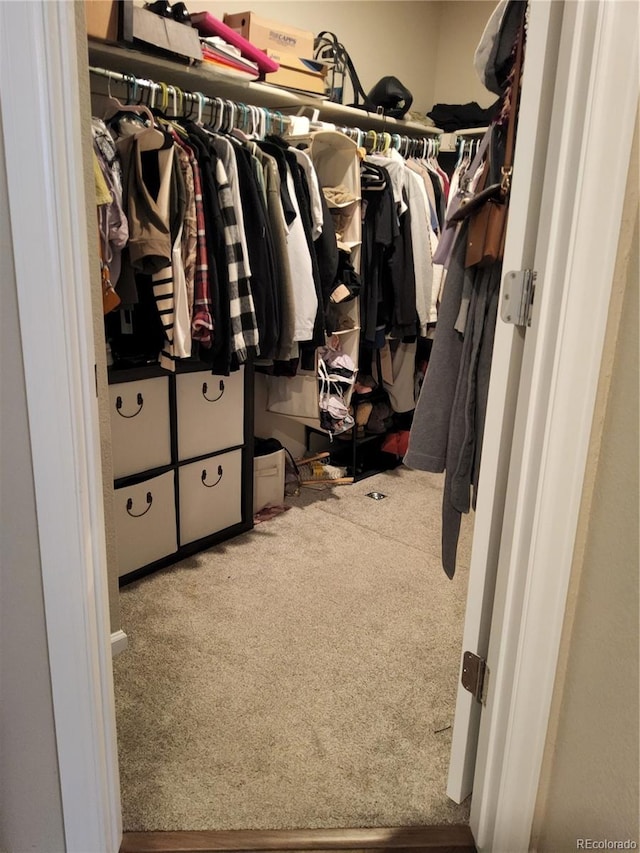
x=302 y=675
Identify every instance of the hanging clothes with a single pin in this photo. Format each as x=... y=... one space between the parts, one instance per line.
x=244 y=249
x=449 y=422
x=112 y=221
x=262 y=253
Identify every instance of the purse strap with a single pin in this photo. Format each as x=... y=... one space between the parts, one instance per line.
x=507 y=168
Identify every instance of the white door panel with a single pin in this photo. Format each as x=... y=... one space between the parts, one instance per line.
x=529 y=165
x=575 y=256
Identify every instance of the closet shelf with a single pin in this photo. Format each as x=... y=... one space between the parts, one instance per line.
x=448 y=141
x=193 y=78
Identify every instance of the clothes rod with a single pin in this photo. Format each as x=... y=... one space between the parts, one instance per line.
x=259 y=120
x=262 y=120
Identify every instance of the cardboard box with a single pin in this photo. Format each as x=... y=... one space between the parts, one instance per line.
x=290 y=78
x=102 y=19
x=292 y=60
x=305 y=75
x=164 y=33
x=272 y=35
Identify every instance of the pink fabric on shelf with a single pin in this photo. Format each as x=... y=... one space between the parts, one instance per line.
x=207 y=25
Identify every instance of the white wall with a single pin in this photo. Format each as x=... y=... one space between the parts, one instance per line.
x=397 y=37
x=461 y=25
x=589 y=784
x=30 y=805
x=427 y=44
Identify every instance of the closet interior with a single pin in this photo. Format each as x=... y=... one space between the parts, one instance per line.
x=319 y=345
x=271 y=270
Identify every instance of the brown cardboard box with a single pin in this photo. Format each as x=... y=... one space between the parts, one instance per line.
x=292 y=60
x=102 y=19
x=291 y=78
x=270 y=34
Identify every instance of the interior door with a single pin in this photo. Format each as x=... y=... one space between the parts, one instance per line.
x=543 y=36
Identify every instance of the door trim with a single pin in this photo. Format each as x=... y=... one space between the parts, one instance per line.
x=575 y=260
x=47 y=205
x=436 y=839
x=45 y=164
x=532 y=144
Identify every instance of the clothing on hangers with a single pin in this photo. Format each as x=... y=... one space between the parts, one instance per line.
x=229 y=286
x=448 y=426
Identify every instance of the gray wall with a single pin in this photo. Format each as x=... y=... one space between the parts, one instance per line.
x=589 y=784
x=30 y=804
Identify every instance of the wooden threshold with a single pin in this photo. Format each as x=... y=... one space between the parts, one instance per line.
x=411 y=839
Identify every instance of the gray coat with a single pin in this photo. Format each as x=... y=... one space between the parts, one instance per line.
x=448 y=424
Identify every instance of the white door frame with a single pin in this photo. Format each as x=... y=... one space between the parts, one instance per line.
x=38 y=86
x=534 y=118
x=575 y=258
x=45 y=176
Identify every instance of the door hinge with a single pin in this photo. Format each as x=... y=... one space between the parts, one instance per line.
x=475 y=675
x=517 y=297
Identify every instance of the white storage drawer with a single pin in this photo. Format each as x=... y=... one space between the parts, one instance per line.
x=210 y=412
x=140 y=431
x=210 y=495
x=145 y=522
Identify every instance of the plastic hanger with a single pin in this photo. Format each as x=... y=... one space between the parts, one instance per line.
x=282 y=123
x=255 y=122
x=373 y=136
x=244 y=120
x=149 y=139
x=119 y=107
x=201 y=103
x=178 y=100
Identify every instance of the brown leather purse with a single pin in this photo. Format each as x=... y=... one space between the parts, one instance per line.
x=488 y=221
x=487 y=231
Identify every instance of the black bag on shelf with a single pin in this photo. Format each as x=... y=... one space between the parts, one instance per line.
x=388 y=94
x=394 y=98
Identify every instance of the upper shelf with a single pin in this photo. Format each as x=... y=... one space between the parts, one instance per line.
x=193 y=78
x=449 y=141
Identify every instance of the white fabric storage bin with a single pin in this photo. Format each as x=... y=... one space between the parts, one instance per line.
x=140 y=432
x=145 y=522
x=210 y=495
x=210 y=412
x=268 y=480
x=337 y=163
x=293 y=395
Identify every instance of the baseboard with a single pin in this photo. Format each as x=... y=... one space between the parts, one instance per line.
x=119 y=642
x=412 y=839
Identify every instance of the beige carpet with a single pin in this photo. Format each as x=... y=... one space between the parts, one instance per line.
x=301 y=675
